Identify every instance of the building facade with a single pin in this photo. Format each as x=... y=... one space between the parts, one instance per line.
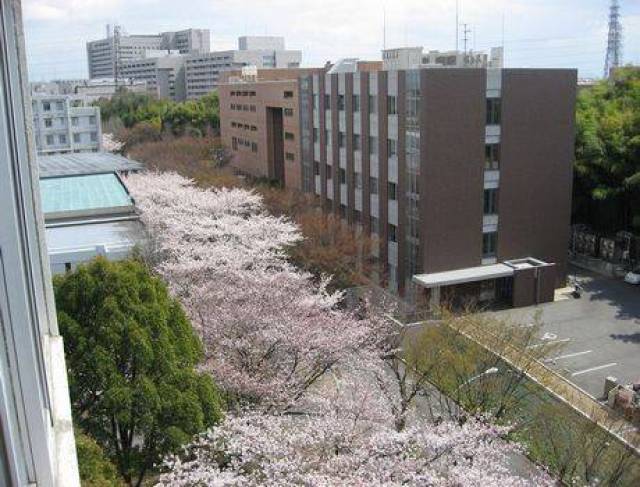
x=65 y=123
x=452 y=169
x=415 y=57
x=101 y=54
x=162 y=73
x=203 y=71
x=261 y=124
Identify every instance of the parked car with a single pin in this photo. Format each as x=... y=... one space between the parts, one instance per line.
x=633 y=277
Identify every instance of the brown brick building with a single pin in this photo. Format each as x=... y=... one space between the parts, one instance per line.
x=463 y=174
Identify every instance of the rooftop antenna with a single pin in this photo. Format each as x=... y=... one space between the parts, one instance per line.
x=457 y=23
x=384 y=27
x=466 y=30
x=614 y=42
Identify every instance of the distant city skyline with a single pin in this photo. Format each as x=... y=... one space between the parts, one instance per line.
x=536 y=34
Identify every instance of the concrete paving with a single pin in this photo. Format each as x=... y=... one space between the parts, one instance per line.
x=599 y=332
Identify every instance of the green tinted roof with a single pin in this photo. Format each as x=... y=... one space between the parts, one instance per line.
x=78 y=193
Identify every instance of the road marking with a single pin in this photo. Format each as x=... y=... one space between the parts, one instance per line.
x=592 y=369
x=564 y=340
x=569 y=355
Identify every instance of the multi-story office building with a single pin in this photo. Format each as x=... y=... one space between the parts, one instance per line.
x=262 y=123
x=203 y=71
x=163 y=73
x=415 y=57
x=90 y=89
x=463 y=174
x=65 y=123
x=101 y=54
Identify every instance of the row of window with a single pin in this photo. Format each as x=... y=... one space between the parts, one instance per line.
x=48 y=122
x=494 y=106
x=245 y=126
x=62 y=138
x=240 y=142
x=392 y=144
x=243 y=93
x=243 y=108
x=392 y=188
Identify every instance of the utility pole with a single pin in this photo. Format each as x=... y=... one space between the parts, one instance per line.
x=614 y=42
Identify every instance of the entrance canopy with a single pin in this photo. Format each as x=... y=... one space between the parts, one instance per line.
x=459 y=276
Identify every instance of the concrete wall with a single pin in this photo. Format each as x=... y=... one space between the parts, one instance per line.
x=537 y=143
x=452 y=150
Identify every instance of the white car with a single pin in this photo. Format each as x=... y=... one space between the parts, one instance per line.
x=633 y=277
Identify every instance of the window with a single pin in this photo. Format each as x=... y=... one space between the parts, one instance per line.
x=254 y=128
x=393 y=233
x=94 y=136
x=356 y=103
x=392 y=191
x=234 y=143
x=329 y=171
x=373 y=145
x=391 y=148
x=373 y=185
x=391 y=105
x=375 y=225
x=62 y=138
x=316 y=135
x=343 y=211
x=357 y=216
x=288 y=112
x=289 y=156
x=316 y=168
x=341 y=102
x=92 y=120
x=372 y=104
x=76 y=138
x=493 y=111
x=49 y=139
x=327 y=102
x=341 y=139
x=315 y=101
x=254 y=147
x=356 y=142
x=288 y=94
x=490 y=201
x=489 y=244
x=357 y=180
x=492 y=156
x=59 y=105
x=343 y=176
x=288 y=136
x=327 y=136
x=46 y=106
x=48 y=122
x=252 y=108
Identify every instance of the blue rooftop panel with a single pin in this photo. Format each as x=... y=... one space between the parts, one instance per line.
x=78 y=193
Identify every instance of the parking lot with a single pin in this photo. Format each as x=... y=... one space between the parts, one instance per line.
x=599 y=332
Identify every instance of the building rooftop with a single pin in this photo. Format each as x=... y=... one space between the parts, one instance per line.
x=74 y=164
x=84 y=196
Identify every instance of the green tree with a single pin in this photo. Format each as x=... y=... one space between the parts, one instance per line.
x=131 y=354
x=95 y=468
x=607 y=168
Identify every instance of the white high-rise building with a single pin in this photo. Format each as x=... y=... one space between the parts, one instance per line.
x=101 y=54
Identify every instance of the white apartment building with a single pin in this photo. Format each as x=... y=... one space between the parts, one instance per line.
x=101 y=54
x=65 y=123
x=415 y=57
x=163 y=73
x=202 y=71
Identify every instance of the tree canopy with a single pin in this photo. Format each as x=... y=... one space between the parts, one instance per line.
x=131 y=353
x=163 y=114
x=607 y=168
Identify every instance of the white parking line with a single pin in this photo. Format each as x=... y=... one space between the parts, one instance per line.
x=592 y=369
x=569 y=355
x=564 y=340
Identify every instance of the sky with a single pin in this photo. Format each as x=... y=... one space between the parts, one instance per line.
x=535 y=33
